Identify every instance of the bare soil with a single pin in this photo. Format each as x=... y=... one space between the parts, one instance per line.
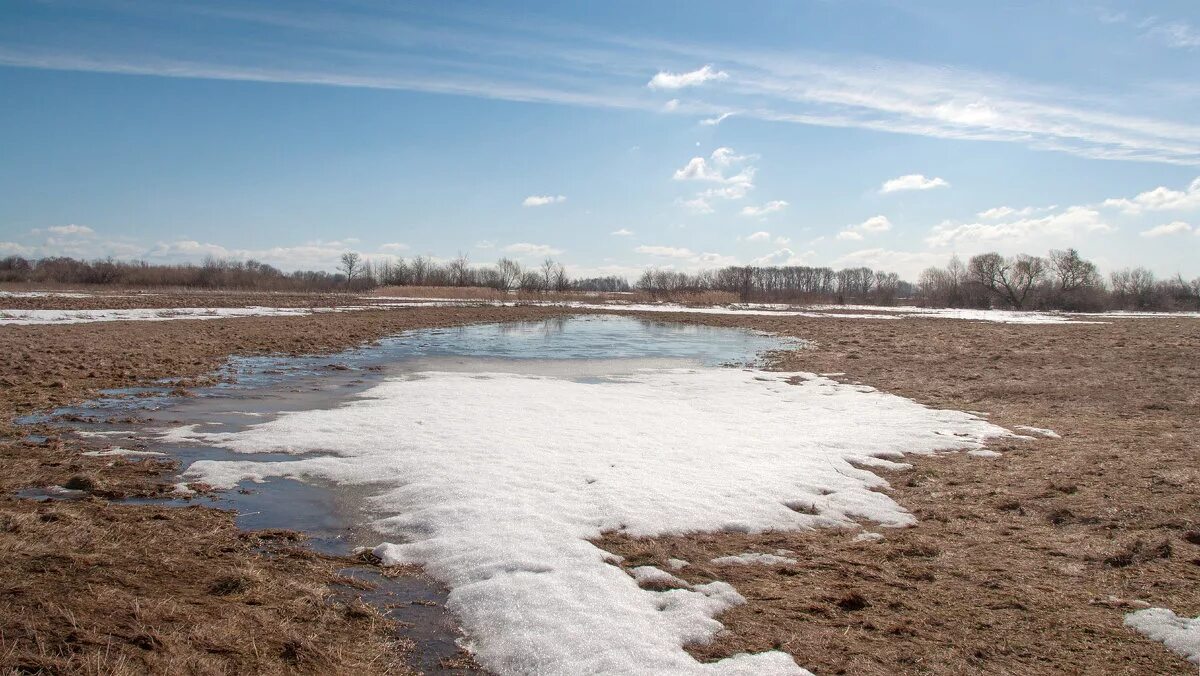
x=94 y=586
x=1020 y=564
x=1024 y=564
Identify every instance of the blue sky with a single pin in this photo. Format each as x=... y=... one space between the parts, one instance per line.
x=613 y=136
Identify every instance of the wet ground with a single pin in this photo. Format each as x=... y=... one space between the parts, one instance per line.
x=251 y=390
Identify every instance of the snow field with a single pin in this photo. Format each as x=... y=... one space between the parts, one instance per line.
x=495 y=486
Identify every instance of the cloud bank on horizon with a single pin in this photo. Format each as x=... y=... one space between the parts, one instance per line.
x=444 y=127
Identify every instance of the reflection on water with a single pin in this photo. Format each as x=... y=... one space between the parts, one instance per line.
x=251 y=390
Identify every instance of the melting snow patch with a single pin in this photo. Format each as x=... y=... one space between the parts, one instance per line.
x=868 y=537
x=983 y=453
x=1039 y=431
x=119 y=451
x=752 y=558
x=676 y=564
x=1177 y=633
x=483 y=483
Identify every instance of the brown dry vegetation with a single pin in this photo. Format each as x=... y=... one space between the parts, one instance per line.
x=93 y=586
x=1024 y=564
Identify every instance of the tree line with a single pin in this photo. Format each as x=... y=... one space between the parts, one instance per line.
x=1062 y=280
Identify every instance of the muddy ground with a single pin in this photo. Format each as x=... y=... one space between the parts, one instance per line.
x=1021 y=564
x=96 y=586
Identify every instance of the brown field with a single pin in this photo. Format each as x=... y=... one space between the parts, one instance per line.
x=1021 y=564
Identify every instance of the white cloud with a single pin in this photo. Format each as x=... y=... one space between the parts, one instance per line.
x=665 y=251
x=485 y=244
x=394 y=246
x=1004 y=212
x=714 y=121
x=712 y=170
x=1070 y=222
x=907 y=264
x=1172 y=228
x=727 y=157
x=912 y=182
x=1160 y=199
x=623 y=232
x=783 y=241
x=874 y=224
x=768 y=208
x=666 y=80
x=70 y=230
x=783 y=256
x=760 y=236
x=542 y=200
x=527 y=249
x=697 y=169
x=671 y=106
x=696 y=205
x=14 y=249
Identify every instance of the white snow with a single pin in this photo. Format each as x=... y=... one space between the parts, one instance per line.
x=1039 y=431
x=1178 y=633
x=495 y=485
x=752 y=558
x=676 y=564
x=26 y=317
x=119 y=451
x=868 y=537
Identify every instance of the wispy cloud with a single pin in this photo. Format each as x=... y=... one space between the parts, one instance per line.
x=623 y=232
x=528 y=249
x=542 y=200
x=1067 y=223
x=1172 y=228
x=874 y=224
x=912 y=182
x=665 y=80
x=714 y=121
x=760 y=236
x=768 y=208
x=1161 y=198
x=382 y=48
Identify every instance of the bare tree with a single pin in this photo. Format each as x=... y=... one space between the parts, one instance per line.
x=1009 y=278
x=459 y=271
x=508 y=273
x=351 y=265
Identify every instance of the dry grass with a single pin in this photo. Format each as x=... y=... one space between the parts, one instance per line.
x=99 y=588
x=1018 y=565
x=95 y=587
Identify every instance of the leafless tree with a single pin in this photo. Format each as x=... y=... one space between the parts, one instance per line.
x=1009 y=278
x=508 y=273
x=351 y=265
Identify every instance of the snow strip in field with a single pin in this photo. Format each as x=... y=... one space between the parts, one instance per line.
x=495 y=483
x=752 y=558
x=24 y=317
x=1177 y=633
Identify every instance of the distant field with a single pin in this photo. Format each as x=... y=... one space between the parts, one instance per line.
x=1027 y=562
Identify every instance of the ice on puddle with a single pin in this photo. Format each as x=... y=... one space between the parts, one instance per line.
x=753 y=558
x=1180 y=634
x=1039 y=431
x=482 y=482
